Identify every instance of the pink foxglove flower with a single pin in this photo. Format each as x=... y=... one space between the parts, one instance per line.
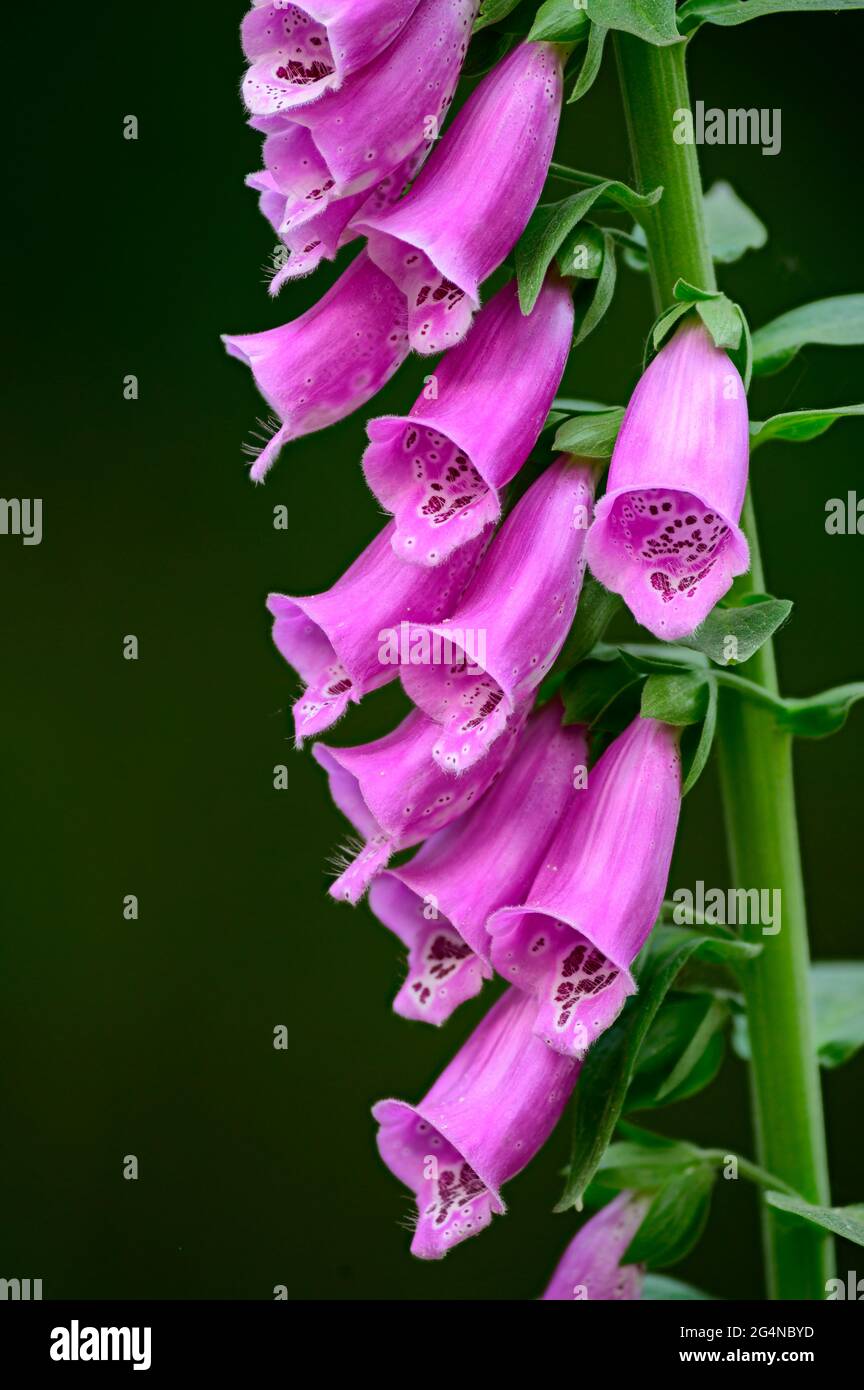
x=331 y=360
x=473 y=199
x=396 y=796
x=345 y=642
x=355 y=137
x=299 y=52
x=308 y=241
x=501 y=639
x=665 y=535
x=439 y=469
x=571 y=942
x=438 y=903
x=484 y=1119
x=590 y=1268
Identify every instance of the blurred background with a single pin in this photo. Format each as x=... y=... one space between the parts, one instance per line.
x=154 y=777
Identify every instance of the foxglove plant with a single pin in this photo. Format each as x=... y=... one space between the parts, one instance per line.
x=466 y=210
x=666 y=534
x=396 y=796
x=297 y=53
x=326 y=364
x=522 y=603
x=541 y=770
x=590 y=1268
x=438 y=903
x=441 y=468
x=340 y=642
x=484 y=1119
x=597 y=894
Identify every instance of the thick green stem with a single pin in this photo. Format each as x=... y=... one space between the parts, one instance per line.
x=755 y=758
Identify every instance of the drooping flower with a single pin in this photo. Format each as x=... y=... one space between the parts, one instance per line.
x=439 y=469
x=438 y=903
x=331 y=360
x=396 y=796
x=299 y=52
x=483 y=1120
x=474 y=197
x=590 y=1268
x=571 y=942
x=503 y=636
x=386 y=114
x=345 y=641
x=308 y=241
x=665 y=535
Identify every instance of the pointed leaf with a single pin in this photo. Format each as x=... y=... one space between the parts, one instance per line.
x=799 y=426
x=590 y=63
x=559 y=20
x=819 y=715
x=847 y=1222
x=837 y=322
x=730 y=636
x=733 y=228
x=651 y=20
x=675 y=1220
x=695 y=12
x=590 y=436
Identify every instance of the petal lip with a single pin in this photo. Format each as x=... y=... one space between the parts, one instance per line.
x=290 y=67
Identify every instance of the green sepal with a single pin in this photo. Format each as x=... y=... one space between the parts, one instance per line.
x=675 y=1220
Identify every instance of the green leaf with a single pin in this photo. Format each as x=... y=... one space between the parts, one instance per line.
x=679 y=698
x=652 y=20
x=837 y=996
x=675 y=1219
x=659 y=658
x=819 y=715
x=581 y=256
x=799 y=426
x=695 y=12
x=695 y=757
x=662 y=1287
x=491 y=11
x=644 y=1166
x=594 y=685
x=733 y=229
x=590 y=63
x=589 y=309
x=847 y=1222
x=682 y=1053
x=837 y=991
x=837 y=322
x=730 y=636
x=596 y=608
x=611 y=1061
x=559 y=20
x=590 y=436
x=552 y=223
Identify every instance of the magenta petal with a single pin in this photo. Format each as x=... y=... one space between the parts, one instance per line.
x=665 y=535
x=471 y=672
x=299 y=52
x=483 y=860
x=344 y=642
x=473 y=199
x=395 y=794
x=590 y=1268
x=439 y=469
x=322 y=366
x=572 y=940
x=484 y=1119
x=397 y=102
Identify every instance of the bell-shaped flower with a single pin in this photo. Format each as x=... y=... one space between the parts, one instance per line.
x=310 y=240
x=395 y=795
x=298 y=53
x=439 y=469
x=331 y=360
x=483 y=1120
x=346 y=641
x=352 y=139
x=590 y=1268
x=666 y=533
x=473 y=671
x=438 y=903
x=597 y=894
x=473 y=198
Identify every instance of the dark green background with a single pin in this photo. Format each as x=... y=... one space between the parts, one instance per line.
x=154 y=777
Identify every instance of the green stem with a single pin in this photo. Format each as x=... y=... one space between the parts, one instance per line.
x=755 y=757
